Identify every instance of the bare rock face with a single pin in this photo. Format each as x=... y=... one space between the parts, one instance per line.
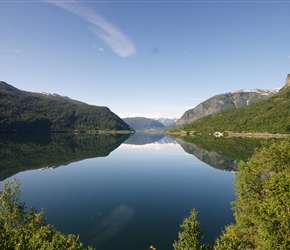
x=287 y=83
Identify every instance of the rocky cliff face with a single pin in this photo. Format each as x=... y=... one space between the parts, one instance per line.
x=223 y=102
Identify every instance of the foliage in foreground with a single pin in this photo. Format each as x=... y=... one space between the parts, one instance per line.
x=22 y=229
x=189 y=238
x=262 y=207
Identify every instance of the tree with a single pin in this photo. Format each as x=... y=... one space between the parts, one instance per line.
x=262 y=207
x=189 y=238
x=22 y=229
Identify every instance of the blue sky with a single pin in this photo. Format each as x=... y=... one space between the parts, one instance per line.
x=144 y=58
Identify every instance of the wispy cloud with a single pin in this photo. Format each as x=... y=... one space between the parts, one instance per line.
x=11 y=50
x=110 y=34
x=16 y=50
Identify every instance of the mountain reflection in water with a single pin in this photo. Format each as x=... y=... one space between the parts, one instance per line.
x=140 y=138
x=24 y=152
x=40 y=151
x=221 y=153
x=211 y=158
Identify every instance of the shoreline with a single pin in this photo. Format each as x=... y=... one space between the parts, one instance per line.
x=256 y=135
x=233 y=134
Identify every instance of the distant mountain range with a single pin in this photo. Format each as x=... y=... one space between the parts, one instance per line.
x=142 y=123
x=22 y=111
x=223 y=102
x=166 y=121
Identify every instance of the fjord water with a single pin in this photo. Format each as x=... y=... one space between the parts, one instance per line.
x=118 y=195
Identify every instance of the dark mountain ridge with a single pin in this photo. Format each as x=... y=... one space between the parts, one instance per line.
x=22 y=111
x=9 y=88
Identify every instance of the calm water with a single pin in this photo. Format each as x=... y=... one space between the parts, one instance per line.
x=135 y=197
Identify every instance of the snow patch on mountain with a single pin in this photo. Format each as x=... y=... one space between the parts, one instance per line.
x=54 y=94
x=166 y=121
x=258 y=91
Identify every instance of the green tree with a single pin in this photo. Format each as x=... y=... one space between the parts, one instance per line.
x=190 y=236
x=22 y=229
x=262 y=207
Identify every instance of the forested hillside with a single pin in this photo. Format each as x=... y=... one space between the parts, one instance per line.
x=267 y=116
x=224 y=102
x=22 y=111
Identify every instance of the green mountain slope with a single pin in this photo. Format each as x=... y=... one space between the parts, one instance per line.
x=22 y=111
x=268 y=116
x=223 y=102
